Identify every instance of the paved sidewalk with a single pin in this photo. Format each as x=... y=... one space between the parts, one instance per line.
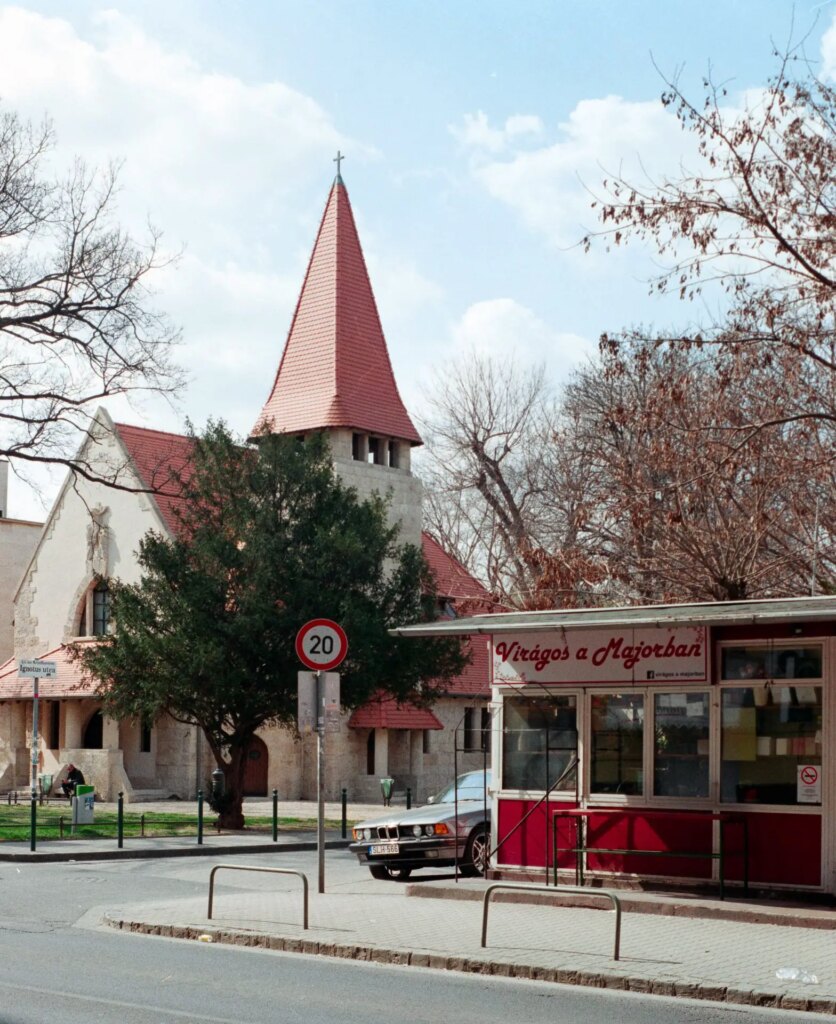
x=716 y=960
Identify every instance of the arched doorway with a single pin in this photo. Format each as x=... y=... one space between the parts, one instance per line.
x=92 y=738
x=255 y=767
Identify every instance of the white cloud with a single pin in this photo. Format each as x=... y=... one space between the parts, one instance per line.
x=476 y=133
x=551 y=186
x=197 y=146
x=504 y=328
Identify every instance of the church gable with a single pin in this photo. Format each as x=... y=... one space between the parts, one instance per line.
x=92 y=531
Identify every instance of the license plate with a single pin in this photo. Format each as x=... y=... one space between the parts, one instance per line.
x=381 y=849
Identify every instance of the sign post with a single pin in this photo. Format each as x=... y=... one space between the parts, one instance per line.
x=35 y=669
x=321 y=645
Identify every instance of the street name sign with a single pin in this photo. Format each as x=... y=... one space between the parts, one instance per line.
x=37 y=669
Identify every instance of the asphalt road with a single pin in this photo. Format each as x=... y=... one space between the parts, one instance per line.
x=58 y=965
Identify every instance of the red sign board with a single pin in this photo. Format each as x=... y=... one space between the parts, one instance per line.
x=321 y=645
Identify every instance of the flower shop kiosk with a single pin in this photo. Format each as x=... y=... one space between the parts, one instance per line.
x=689 y=743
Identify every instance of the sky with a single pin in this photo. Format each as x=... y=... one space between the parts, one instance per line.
x=475 y=133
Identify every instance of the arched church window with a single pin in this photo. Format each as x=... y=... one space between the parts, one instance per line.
x=94 y=611
x=101 y=610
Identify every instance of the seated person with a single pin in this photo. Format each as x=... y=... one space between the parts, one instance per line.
x=74 y=778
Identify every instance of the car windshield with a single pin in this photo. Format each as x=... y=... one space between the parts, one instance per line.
x=471 y=786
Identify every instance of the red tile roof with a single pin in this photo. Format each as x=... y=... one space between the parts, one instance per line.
x=69 y=682
x=452 y=579
x=385 y=713
x=456 y=584
x=159 y=457
x=475 y=681
x=335 y=369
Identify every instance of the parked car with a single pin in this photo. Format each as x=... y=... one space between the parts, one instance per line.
x=431 y=836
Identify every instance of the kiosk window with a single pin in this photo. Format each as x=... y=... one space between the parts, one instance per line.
x=539 y=743
x=680 y=752
x=617 y=743
x=769 y=735
x=772 y=663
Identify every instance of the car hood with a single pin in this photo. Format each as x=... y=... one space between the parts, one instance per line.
x=424 y=815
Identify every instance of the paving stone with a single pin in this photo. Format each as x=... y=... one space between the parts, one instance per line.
x=739 y=995
x=793 y=1002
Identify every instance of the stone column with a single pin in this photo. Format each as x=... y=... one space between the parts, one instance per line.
x=381 y=753
x=72 y=724
x=110 y=733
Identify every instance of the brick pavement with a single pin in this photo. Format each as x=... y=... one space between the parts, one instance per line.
x=709 y=959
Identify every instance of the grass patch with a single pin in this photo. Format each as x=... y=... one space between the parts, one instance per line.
x=55 y=822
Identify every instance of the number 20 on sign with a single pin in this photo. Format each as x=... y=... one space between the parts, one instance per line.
x=321 y=645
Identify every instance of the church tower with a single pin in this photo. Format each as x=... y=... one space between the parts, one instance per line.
x=335 y=374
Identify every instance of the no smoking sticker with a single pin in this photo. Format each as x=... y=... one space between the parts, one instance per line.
x=808 y=784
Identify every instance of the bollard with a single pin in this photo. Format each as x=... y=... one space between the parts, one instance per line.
x=33 y=821
x=120 y=821
x=200 y=817
x=275 y=815
x=408 y=798
x=343 y=822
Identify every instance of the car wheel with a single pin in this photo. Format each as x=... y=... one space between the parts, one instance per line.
x=475 y=854
x=384 y=872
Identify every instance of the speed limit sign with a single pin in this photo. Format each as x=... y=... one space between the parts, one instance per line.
x=321 y=645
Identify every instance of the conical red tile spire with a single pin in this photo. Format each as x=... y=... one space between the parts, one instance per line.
x=335 y=369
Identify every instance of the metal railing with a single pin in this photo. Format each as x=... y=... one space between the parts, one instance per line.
x=554 y=891
x=269 y=871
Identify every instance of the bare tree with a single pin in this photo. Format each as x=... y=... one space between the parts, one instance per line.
x=77 y=324
x=487 y=434
x=758 y=218
x=681 y=513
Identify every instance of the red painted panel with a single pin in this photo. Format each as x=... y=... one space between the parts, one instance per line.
x=629 y=830
x=527 y=845
x=784 y=849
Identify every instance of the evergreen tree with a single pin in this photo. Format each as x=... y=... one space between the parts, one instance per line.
x=269 y=538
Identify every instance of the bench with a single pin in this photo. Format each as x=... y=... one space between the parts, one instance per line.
x=582 y=847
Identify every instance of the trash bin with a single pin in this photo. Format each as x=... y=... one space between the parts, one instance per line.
x=45 y=783
x=386 y=787
x=83 y=803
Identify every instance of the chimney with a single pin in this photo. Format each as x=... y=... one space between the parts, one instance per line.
x=4 y=488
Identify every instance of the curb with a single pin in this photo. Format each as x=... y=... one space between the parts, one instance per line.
x=178 y=851
x=471 y=965
x=821 y=920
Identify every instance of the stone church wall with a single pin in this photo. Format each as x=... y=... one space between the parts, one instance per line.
x=17 y=543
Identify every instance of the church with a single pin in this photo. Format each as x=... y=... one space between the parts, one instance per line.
x=335 y=376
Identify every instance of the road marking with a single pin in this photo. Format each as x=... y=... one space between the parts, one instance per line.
x=62 y=994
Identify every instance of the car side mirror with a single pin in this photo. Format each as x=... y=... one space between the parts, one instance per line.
x=430 y=799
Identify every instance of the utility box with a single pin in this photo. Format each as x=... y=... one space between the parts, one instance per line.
x=83 y=803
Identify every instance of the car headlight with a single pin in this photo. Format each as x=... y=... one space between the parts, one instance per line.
x=417 y=830
x=429 y=830
x=367 y=833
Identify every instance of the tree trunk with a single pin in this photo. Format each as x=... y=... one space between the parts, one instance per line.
x=231 y=815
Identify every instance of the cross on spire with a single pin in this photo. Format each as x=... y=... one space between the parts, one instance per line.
x=338 y=159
